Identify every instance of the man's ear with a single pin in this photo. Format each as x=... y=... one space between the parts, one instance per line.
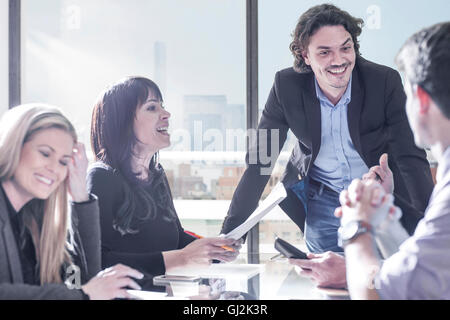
x=424 y=100
x=305 y=57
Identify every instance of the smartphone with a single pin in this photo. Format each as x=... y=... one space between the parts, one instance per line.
x=167 y=279
x=288 y=250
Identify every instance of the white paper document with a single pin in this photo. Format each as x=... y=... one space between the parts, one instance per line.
x=151 y=295
x=273 y=199
x=220 y=270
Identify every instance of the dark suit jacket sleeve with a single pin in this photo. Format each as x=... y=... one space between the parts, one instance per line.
x=107 y=187
x=260 y=159
x=410 y=160
x=46 y=292
x=86 y=223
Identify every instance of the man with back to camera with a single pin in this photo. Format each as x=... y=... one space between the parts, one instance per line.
x=345 y=112
x=421 y=267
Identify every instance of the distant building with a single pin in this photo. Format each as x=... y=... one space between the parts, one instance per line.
x=235 y=117
x=207 y=117
x=192 y=188
x=170 y=178
x=285 y=229
x=184 y=170
x=187 y=186
x=227 y=183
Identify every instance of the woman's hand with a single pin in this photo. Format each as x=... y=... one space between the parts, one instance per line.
x=201 y=252
x=237 y=245
x=112 y=283
x=77 y=174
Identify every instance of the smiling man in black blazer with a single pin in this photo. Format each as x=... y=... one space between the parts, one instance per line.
x=345 y=112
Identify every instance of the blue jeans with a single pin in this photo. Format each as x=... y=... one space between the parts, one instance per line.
x=321 y=224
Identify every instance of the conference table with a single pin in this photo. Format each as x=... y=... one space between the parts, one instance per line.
x=271 y=280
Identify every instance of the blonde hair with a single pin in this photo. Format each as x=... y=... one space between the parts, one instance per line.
x=48 y=220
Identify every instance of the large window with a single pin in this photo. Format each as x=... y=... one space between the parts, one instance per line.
x=195 y=50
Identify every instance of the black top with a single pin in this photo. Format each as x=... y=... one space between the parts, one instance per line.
x=141 y=250
x=27 y=253
x=19 y=269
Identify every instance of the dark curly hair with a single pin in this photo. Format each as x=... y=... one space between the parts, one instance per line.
x=311 y=21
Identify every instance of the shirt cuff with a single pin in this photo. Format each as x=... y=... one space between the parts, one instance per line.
x=92 y=198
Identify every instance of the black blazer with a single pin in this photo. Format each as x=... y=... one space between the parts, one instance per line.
x=377 y=123
x=86 y=226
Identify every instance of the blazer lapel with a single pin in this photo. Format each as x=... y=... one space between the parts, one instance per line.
x=312 y=110
x=10 y=245
x=354 y=111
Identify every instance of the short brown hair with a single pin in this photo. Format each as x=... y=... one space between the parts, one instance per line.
x=425 y=61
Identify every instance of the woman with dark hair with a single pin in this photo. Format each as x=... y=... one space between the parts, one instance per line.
x=139 y=224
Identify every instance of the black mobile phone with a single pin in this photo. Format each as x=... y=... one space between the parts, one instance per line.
x=288 y=250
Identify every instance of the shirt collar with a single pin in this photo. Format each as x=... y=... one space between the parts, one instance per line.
x=345 y=99
x=444 y=165
x=8 y=203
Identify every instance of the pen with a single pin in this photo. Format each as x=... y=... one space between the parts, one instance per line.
x=200 y=237
x=277 y=257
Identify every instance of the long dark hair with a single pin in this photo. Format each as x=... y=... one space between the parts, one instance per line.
x=311 y=21
x=113 y=140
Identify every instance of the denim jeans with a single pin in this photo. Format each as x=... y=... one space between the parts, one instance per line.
x=321 y=225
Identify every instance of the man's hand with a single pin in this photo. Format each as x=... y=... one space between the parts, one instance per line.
x=365 y=201
x=383 y=173
x=325 y=269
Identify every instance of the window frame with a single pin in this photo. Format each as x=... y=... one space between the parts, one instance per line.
x=14 y=62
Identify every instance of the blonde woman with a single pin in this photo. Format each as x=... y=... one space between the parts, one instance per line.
x=49 y=249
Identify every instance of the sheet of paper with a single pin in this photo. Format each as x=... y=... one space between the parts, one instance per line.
x=271 y=201
x=220 y=270
x=152 y=295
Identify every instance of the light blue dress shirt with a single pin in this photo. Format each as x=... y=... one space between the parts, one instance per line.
x=421 y=267
x=338 y=162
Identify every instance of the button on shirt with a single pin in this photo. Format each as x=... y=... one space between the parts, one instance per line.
x=338 y=162
x=421 y=267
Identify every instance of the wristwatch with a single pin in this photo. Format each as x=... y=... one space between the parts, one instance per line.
x=351 y=230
